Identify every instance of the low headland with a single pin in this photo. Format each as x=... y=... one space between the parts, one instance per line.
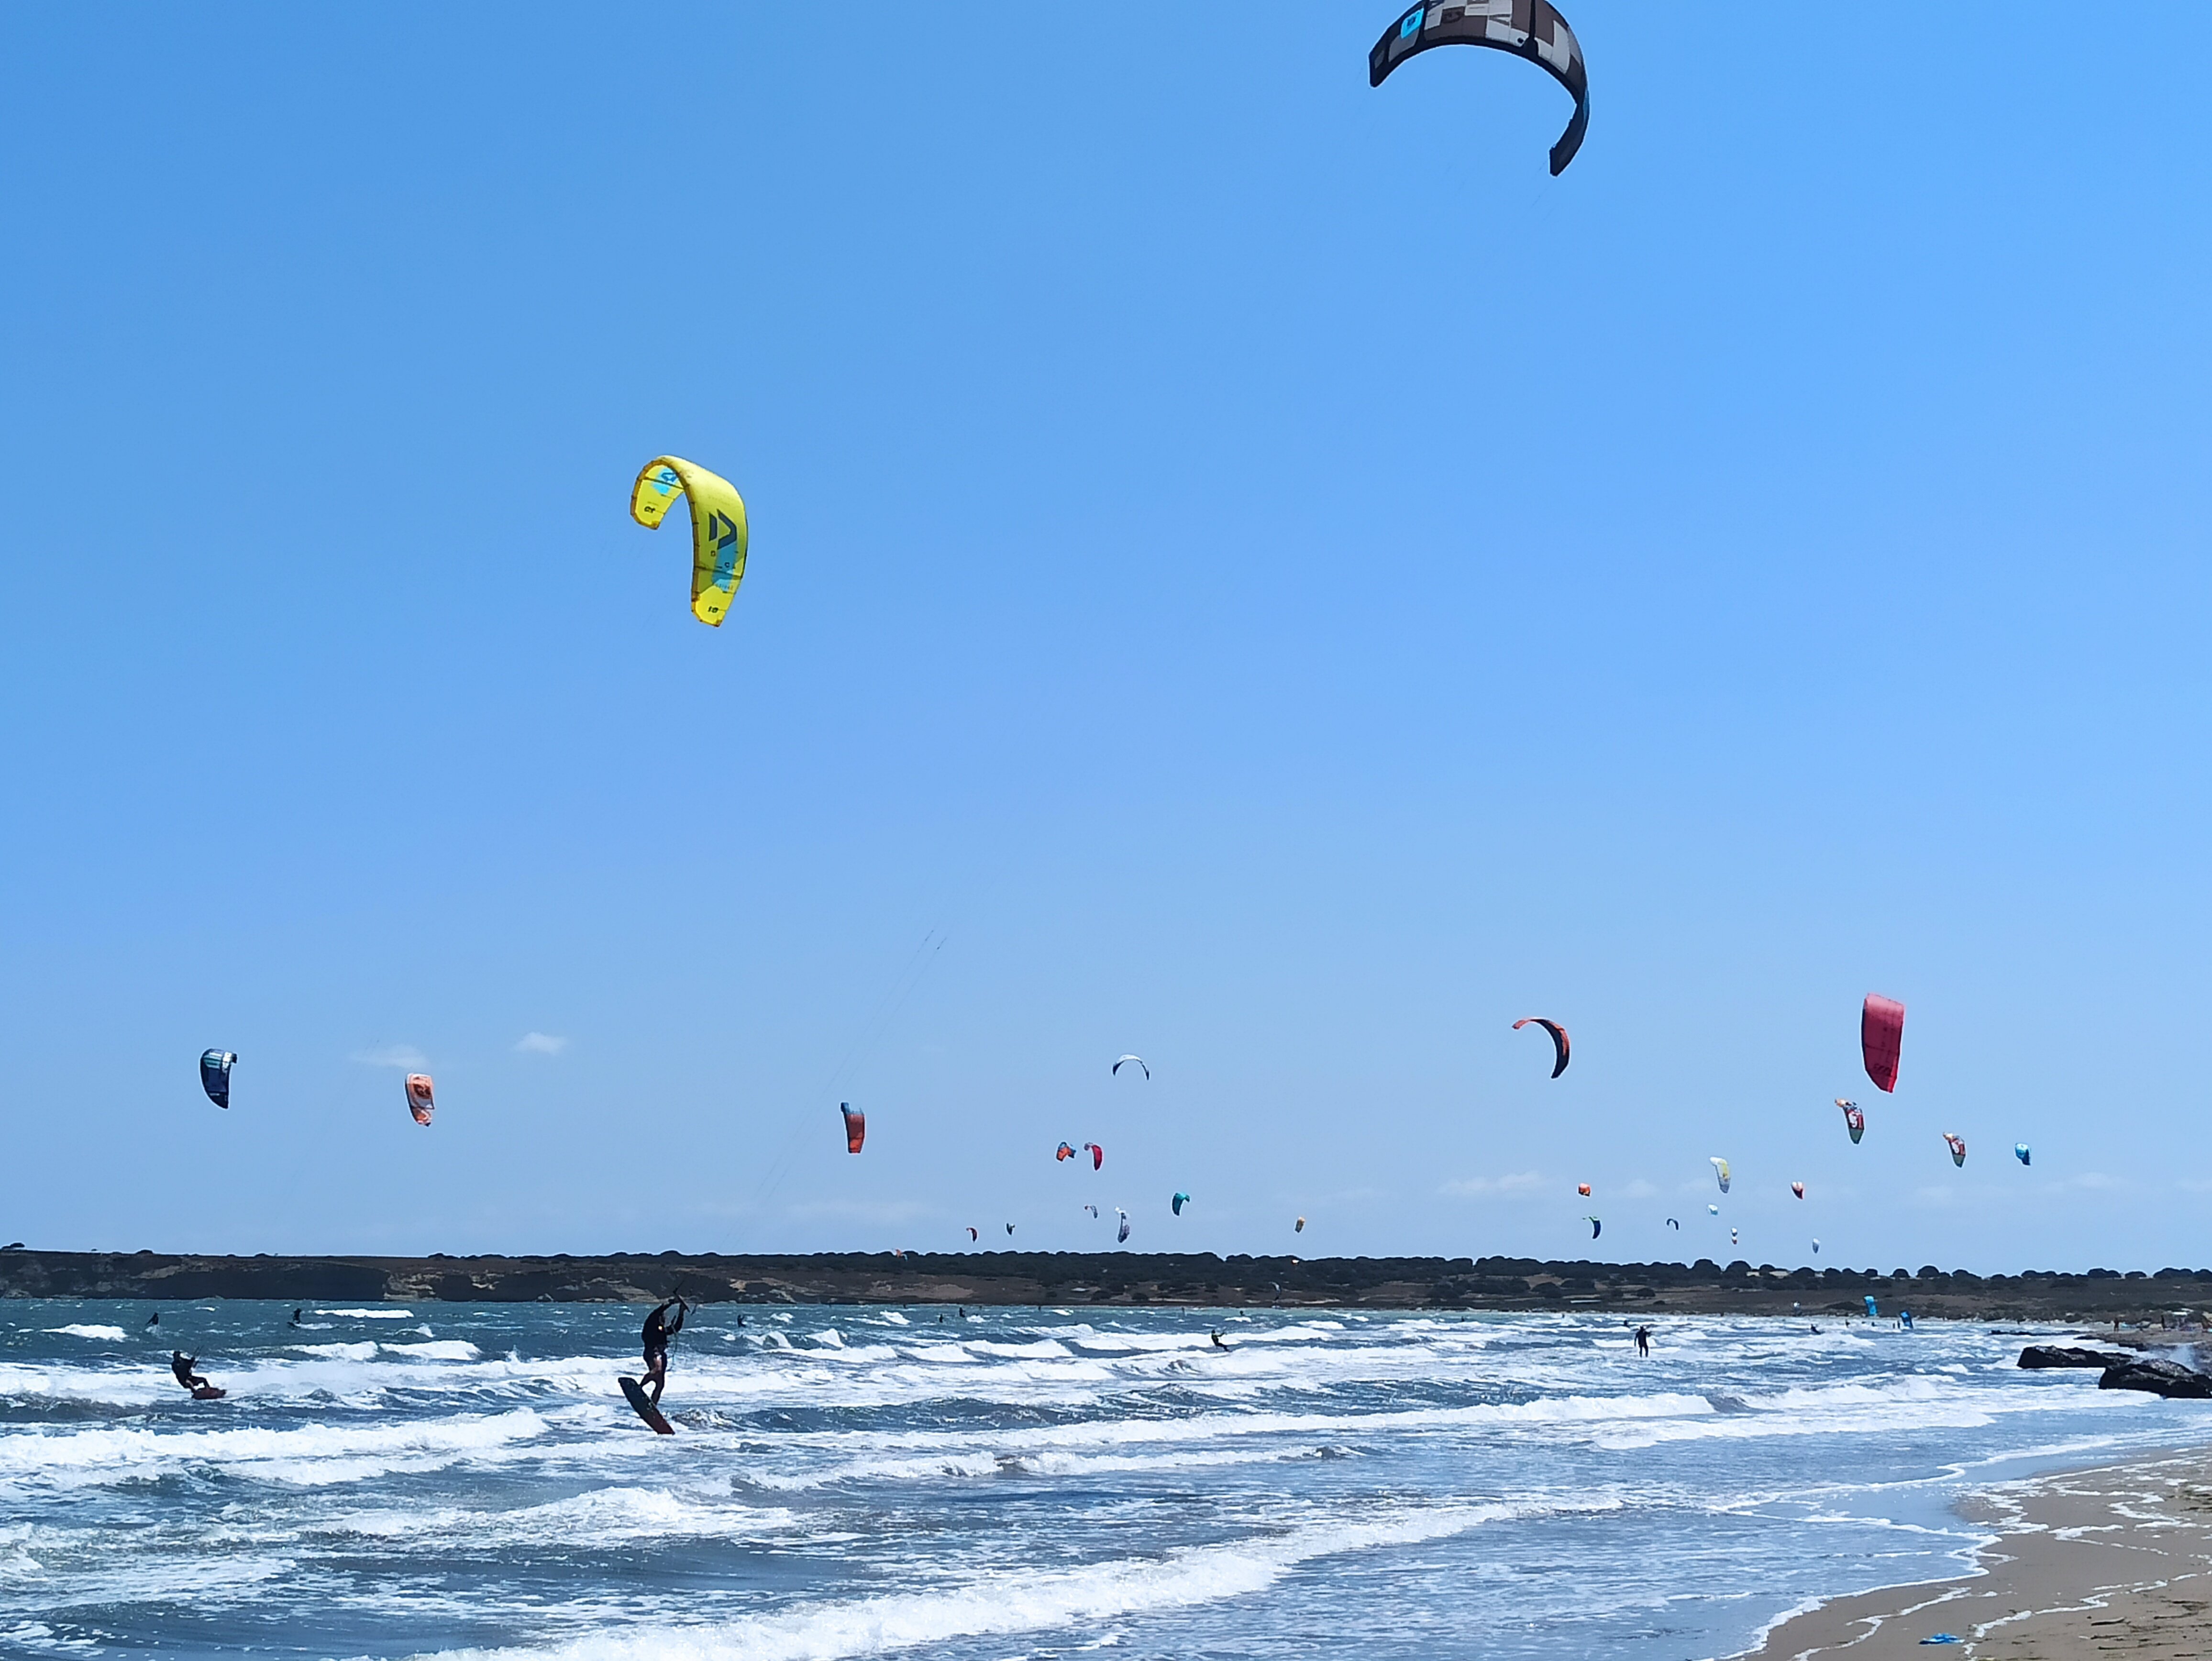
x=1196 y=1279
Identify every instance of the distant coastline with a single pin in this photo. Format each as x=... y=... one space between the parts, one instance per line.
x=1201 y=1281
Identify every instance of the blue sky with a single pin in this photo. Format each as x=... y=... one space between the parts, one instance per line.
x=1269 y=578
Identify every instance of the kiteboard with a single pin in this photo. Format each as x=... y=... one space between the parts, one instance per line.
x=646 y=1410
x=207 y=1393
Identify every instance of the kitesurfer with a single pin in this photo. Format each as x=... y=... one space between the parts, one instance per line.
x=154 y=1319
x=1643 y=1340
x=182 y=1365
x=659 y=1330
x=295 y=1317
x=1218 y=1344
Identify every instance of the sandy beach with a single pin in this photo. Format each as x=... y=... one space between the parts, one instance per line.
x=2116 y=1560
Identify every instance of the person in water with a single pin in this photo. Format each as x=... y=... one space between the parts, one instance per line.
x=659 y=1330
x=1218 y=1344
x=154 y=1319
x=182 y=1365
x=295 y=1318
x=1643 y=1340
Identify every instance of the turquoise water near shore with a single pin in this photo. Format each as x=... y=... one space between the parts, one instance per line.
x=449 y=1478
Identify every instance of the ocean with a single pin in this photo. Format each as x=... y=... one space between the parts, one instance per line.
x=451 y=1478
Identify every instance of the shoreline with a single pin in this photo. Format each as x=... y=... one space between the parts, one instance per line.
x=2085 y=1560
x=2172 y=1298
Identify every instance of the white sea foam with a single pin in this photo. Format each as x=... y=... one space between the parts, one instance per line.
x=1020 y=1600
x=372 y=1314
x=312 y=1454
x=111 y=1335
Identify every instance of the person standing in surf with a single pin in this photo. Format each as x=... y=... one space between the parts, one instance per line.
x=659 y=1330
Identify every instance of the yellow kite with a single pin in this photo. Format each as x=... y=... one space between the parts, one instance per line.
x=718 y=528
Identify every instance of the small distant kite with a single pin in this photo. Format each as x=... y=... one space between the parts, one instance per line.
x=973 y=1235
x=1596 y=1227
x=1798 y=1189
x=1010 y=1228
x=1298 y=1227
x=1097 y=1154
x=421 y=1100
x=1140 y=1061
x=1559 y=1045
x=1092 y=1209
x=1958 y=1148
x=1720 y=1169
x=2019 y=1150
x=1177 y=1203
x=215 y=1074
x=1854 y=1120
x=1713 y=1210
x=856 y=1129
x=1123 y=1232
x=1881 y=1035
x=1583 y=1189
x=1816 y=1247
x=1672 y=1224
x=1063 y=1152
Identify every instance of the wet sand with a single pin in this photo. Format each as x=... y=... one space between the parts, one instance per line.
x=2114 y=1560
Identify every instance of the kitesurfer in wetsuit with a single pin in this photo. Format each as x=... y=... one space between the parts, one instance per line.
x=659 y=1330
x=182 y=1365
x=1218 y=1344
x=154 y=1319
x=1643 y=1340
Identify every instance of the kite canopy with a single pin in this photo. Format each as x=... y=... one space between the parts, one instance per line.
x=1527 y=28
x=421 y=1102
x=1583 y=1189
x=1300 y=1228
x=1881 y=1032
x=1063 y=1152
x=215 y=1074
x=1672 y=1224
x=1121 y=1234
x=718 y=527
x=1957 y=1148
x=1559 y=1040
x=856 y=1128
x=2019 y=1150
x=1140 y=1061
x=1798 y=1189
x=1177 y=1203
x=1854 y=1120
x=972 y=1234
x=1714 y=1209
x=1596 y=1227
x=1816 y=1247
x=1720 y=1169
x=1097 y=1154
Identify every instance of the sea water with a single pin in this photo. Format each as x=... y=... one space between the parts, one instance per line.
x=1019 y=1482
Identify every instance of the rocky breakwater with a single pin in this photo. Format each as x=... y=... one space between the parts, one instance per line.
x=2122 y=1370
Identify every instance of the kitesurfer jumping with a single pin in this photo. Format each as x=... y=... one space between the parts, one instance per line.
x=154 y=1319
x=1643 y=1340
x=182 y=1365
x=659 y=1330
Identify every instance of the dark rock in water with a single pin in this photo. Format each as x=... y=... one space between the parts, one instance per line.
x=2065 y=1355
x=2166 y=1378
